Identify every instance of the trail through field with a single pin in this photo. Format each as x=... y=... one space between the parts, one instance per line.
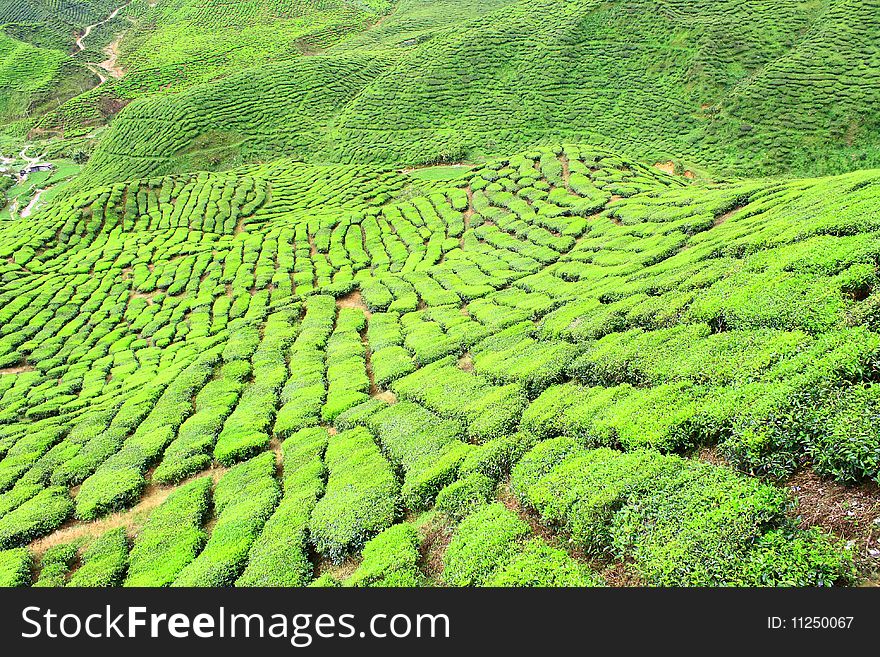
x=113 y=14
x=669 y=167
x=720 y=219
x=27 y=211
x=132 y=519
x=16 y=369
x=354 y=300
x=31 y=161
x=110 y=66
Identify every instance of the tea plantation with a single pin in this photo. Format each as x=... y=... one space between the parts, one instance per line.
x=293 y=373
x=439 y=293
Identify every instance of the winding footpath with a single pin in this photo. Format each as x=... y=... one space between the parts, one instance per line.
x=110 y=65
x=32 y=204
x=89 y=28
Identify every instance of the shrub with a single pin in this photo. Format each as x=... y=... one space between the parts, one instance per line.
x=496 y=457
x=539 y=565
x=38 y=516
x=463 y=497
x=55 y=564
x=361 y=498
x=279 y=556
x=243 y=501
x=426 y=447
x=484 y=541
x=103 y=562
x=172 y=536
x=15 y=567
x=682 y=522
x=390 y=559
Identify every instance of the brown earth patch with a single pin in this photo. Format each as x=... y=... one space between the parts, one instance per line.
x=666 y=167
x=466 y=362
x=849 y=512
x=110 y=106
x=132 y=519
x=711 y=455
x=275 y=446
x=386 y=396
x=566 y=171
x=670 y=166
x=436 y=536
x=354 y=299
x=621 y=574
x=338 y=571
x=148 y=296
x=721 y=218
x=17 y=369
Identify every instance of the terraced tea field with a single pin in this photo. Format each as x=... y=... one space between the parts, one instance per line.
x=439 y=293
x=344 y=375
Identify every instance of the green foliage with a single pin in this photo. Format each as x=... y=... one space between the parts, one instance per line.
x=390 y=559
x=456 y=332
x=539 y=565
x=737 y=91
x=280 y=555
x=172 y=536
x=484 y=541
x=103 y=563
x=55 y=565
x=15 y=567
x=427 y=449
x=464 y=496
x=37 y=517
x=243 y=501
x=682 y=522
x=489 y=411
x=361 y=497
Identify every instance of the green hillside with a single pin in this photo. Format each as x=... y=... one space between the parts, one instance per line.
x=745 y=88
x=563 y=301
x=439 y=293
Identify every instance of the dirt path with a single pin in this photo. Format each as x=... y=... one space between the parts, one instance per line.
x=354 y=300
x=669 y=167
x=113 y=14
x=132 y=519
x=110 y=66
x=26 y=212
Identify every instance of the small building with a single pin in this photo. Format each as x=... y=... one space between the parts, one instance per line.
x=35 y=168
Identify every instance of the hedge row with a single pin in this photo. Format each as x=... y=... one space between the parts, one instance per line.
x=362 y=496
x=682 y=522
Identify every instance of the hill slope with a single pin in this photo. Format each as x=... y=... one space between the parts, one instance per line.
x=756 y=87
x=314 y=295
x=561 y=299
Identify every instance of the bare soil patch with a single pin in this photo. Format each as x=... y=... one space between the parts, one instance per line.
x=850 y=512
x=354 y=299
x=666 y=167
x=721 y=218
x=386 y=396
x=132 y=519
x=17 y=369
x=339 y=571
x=669 y=167
x=436 y=536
